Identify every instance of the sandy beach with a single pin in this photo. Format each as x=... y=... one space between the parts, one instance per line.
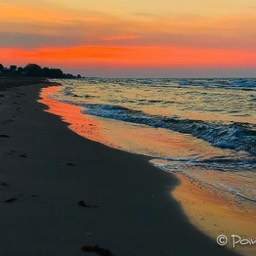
x=60 y=192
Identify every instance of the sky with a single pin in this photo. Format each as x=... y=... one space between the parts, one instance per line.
x=132 y=38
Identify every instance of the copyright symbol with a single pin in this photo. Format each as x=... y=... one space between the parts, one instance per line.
x=222 y=240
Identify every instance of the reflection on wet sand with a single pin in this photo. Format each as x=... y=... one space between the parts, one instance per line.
x=202 y=192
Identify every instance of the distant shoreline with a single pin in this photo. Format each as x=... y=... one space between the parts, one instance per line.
x=34 y=71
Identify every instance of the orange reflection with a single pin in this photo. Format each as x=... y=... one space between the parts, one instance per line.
x=129 y=137
x=71 y=114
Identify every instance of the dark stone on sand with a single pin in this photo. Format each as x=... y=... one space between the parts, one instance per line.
x=4 y=184
x=95 y=248
x=1 y=95
x=23 y=155
x=11 y=152
x=71 y=164
x=11 y=200
x=83 y=204
x=4 y=136
x=8 y=120
x=34 y=195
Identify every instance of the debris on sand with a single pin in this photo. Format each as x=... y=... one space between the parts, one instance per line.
x=97 y=249
x=11 y=200
x=83 y=204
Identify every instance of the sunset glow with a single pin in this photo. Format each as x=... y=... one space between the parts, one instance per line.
x=137 y=35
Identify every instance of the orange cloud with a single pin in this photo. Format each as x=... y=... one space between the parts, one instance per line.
x=112 y=38
x=132 y=56
x=42 y=19
x=93 y=28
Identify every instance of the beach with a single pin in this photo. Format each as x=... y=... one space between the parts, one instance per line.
x=47 y=170
x=211 y=190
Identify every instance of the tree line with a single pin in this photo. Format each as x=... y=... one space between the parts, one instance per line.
x=34 y=70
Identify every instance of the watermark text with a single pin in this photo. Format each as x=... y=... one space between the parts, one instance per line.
x=235 y=240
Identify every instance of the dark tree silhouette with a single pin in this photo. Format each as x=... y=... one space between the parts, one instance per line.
x=46 y=71
x=52 y=72
x=20 y=70
x=34 y=70
x=13 y=68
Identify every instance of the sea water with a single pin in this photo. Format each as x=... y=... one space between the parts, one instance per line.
x=202 y=128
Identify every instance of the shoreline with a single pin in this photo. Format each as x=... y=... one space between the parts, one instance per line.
x=205 y=208
x=216 y=214
x=211 y=212
x=49 y=169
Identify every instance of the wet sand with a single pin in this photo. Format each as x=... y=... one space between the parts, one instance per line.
x=216 y=214
x=47 y=170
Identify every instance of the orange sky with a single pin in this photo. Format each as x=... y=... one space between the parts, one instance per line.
x=167 y=34
x=136 y=56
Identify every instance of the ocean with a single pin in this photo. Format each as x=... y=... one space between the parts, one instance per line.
x=202 y=128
